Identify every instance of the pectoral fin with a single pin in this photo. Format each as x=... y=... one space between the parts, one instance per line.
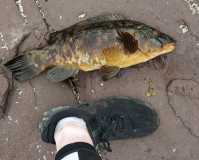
x=58 y=74
x=109 y=72
x=129 y=41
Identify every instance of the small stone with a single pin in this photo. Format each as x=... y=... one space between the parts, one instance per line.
x=16 y=121
x=9 y=118
x=92 y=91
x=82 y=15
x=60 y=17
x=7 y=139
x=184 y=28
x=37 y=146
x=101 y=84
x=148 y=94
x=44 y=157
x=16 y=102
x=174 y=150
x=20 y=93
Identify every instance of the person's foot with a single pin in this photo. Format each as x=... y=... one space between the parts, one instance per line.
x=113 y=118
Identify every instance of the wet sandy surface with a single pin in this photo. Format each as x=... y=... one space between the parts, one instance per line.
x=176 y=84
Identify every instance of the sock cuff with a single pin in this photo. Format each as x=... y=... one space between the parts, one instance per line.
x=83 y=149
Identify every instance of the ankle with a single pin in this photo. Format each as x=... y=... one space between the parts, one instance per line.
x=71 y=130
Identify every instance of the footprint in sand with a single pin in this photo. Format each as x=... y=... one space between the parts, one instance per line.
x=184 y=99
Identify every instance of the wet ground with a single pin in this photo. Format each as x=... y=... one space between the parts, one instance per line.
x=176 y=84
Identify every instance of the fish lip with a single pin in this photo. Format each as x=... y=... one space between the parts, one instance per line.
x=165 y=39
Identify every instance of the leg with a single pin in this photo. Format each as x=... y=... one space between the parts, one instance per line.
x=80 y=131
x=73 y=141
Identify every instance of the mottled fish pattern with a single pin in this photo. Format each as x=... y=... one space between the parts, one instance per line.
x=91 y=45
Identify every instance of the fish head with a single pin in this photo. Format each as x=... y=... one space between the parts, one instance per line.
x=165 y=40
x=154 y=42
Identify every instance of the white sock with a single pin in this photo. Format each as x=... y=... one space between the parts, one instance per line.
x=71 y=130
x=70 y=120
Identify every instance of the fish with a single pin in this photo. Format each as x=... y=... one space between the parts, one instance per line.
x=106 y=43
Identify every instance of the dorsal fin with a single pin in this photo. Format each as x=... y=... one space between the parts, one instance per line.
x=103 y=17
x=96 y=19
x=129 y=41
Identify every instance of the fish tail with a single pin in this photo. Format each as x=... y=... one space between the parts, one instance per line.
x=22 y=68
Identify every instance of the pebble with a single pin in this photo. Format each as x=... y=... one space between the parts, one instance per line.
x=60 y=17
x=92 y=91
x=7 y=139
x=38 y=146
x=9 y=118
x=101 y=84
x=44 y=157
x=16 y=121
x=82 y=15
x=20 y=93
x=184 y=28
x=174 y=150
x=36 y=108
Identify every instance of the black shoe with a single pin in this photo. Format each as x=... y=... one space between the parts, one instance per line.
x=108 y=119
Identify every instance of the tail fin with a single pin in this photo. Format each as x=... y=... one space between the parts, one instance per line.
x=22 y=69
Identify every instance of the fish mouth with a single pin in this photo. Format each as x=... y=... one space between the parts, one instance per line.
x=167 y=48
x=166 y=39
x=168 y=43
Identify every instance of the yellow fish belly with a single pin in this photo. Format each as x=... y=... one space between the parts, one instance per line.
x=115 y=56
